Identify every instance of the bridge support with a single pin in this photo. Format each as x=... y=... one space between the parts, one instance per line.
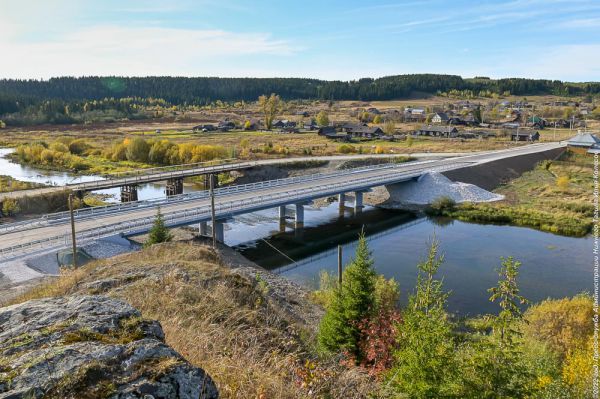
x=341 y=200
x=129 y=193
x=174 y=186
x=299 y=218
x=203 y=229
x=219 y=231
x=358 y=201
x=207 y=181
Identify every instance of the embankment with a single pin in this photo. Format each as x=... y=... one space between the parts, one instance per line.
x=491 y=175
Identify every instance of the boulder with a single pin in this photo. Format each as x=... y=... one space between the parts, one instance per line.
x=91 y=346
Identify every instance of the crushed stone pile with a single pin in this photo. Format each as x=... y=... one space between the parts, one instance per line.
x=433 y=185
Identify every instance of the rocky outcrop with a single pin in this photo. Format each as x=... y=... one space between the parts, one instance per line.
x=91 y=346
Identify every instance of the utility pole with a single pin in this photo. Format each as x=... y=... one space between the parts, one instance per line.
x=212 y=210
x=339 y=265
x=73 y=230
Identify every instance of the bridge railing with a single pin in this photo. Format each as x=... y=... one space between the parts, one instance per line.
x=223 y=210
x=136 y=205
x=139 y=177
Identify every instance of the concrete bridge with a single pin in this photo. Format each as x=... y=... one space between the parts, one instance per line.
x=52 y=232
x=173 y=176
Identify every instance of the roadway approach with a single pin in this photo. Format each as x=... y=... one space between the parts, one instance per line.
x=52 y=232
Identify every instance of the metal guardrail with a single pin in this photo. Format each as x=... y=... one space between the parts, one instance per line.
x=180 y=198
x=223 y=210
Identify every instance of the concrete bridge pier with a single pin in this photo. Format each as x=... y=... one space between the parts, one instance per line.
x=282 y=221
x=174 y=186
x=129 y=193
x=358 y=201
x=203 y=228
x=299 y=218
x=219 y=230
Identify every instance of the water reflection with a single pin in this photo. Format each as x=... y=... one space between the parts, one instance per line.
x=553 y=266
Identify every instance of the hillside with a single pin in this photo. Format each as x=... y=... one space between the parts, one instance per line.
x=251 y=331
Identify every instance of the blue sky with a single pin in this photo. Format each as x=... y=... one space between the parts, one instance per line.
x=342 y=40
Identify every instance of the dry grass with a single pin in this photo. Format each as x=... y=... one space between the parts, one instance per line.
x=218 y=320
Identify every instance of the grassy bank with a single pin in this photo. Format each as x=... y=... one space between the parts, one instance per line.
x=9 y=184
x=252 y=333
x=555 y=197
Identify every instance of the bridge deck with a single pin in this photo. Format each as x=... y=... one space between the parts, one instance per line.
x=53 y=233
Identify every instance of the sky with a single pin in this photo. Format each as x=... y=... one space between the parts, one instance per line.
x=334 y=40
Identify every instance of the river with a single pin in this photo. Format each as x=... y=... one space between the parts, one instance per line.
x=56 y=178
x=552 y=266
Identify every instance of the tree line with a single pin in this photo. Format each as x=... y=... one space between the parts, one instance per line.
x=204 y=90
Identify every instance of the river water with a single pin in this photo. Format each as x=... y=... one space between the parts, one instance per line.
x=56 y=178
x=553 y=266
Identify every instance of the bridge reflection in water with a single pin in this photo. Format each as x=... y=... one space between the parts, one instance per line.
x=316 y=242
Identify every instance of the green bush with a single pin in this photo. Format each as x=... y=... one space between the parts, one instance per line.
x=10 y=207
x=441 y=205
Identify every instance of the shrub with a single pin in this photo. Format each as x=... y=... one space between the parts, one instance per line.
x=78 y=147
x=379 y=150
x=441 y=205
x=346 y=149
x=10 y=207
x=562 y=182
x=137 y=150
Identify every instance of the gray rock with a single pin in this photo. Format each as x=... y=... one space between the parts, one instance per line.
x=88 y=347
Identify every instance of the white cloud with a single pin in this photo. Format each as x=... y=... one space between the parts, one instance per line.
x=110 y=50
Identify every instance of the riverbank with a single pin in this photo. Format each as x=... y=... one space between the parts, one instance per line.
x=555 y=197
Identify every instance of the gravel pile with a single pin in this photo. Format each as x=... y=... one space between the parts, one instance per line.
x=433 y=185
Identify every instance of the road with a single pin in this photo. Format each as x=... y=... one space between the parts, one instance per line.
x=53 y=232
x=143 y=176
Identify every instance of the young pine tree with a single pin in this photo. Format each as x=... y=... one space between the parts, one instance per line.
x=425 y=364
x=495 y=367
x=159 y=232
x=351 y=303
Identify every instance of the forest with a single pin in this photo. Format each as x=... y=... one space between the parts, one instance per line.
x=85 y=99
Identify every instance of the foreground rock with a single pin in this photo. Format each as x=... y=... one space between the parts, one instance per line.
x=90 y=346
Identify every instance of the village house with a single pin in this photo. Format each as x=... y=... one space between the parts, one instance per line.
x=283 y=123
x=226 y=125
x=312 y=125
x=525 y=135
x=440 y=117
x=204 y=128
x=325 y=130
x=437 y=131
x=584 y=143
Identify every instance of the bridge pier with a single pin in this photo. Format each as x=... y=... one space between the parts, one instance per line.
x=219 y=231
x=299 y=217
x=203 y=228
x=129 y=193
x=207 y=181
x=358 y=201
x=174 y=186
